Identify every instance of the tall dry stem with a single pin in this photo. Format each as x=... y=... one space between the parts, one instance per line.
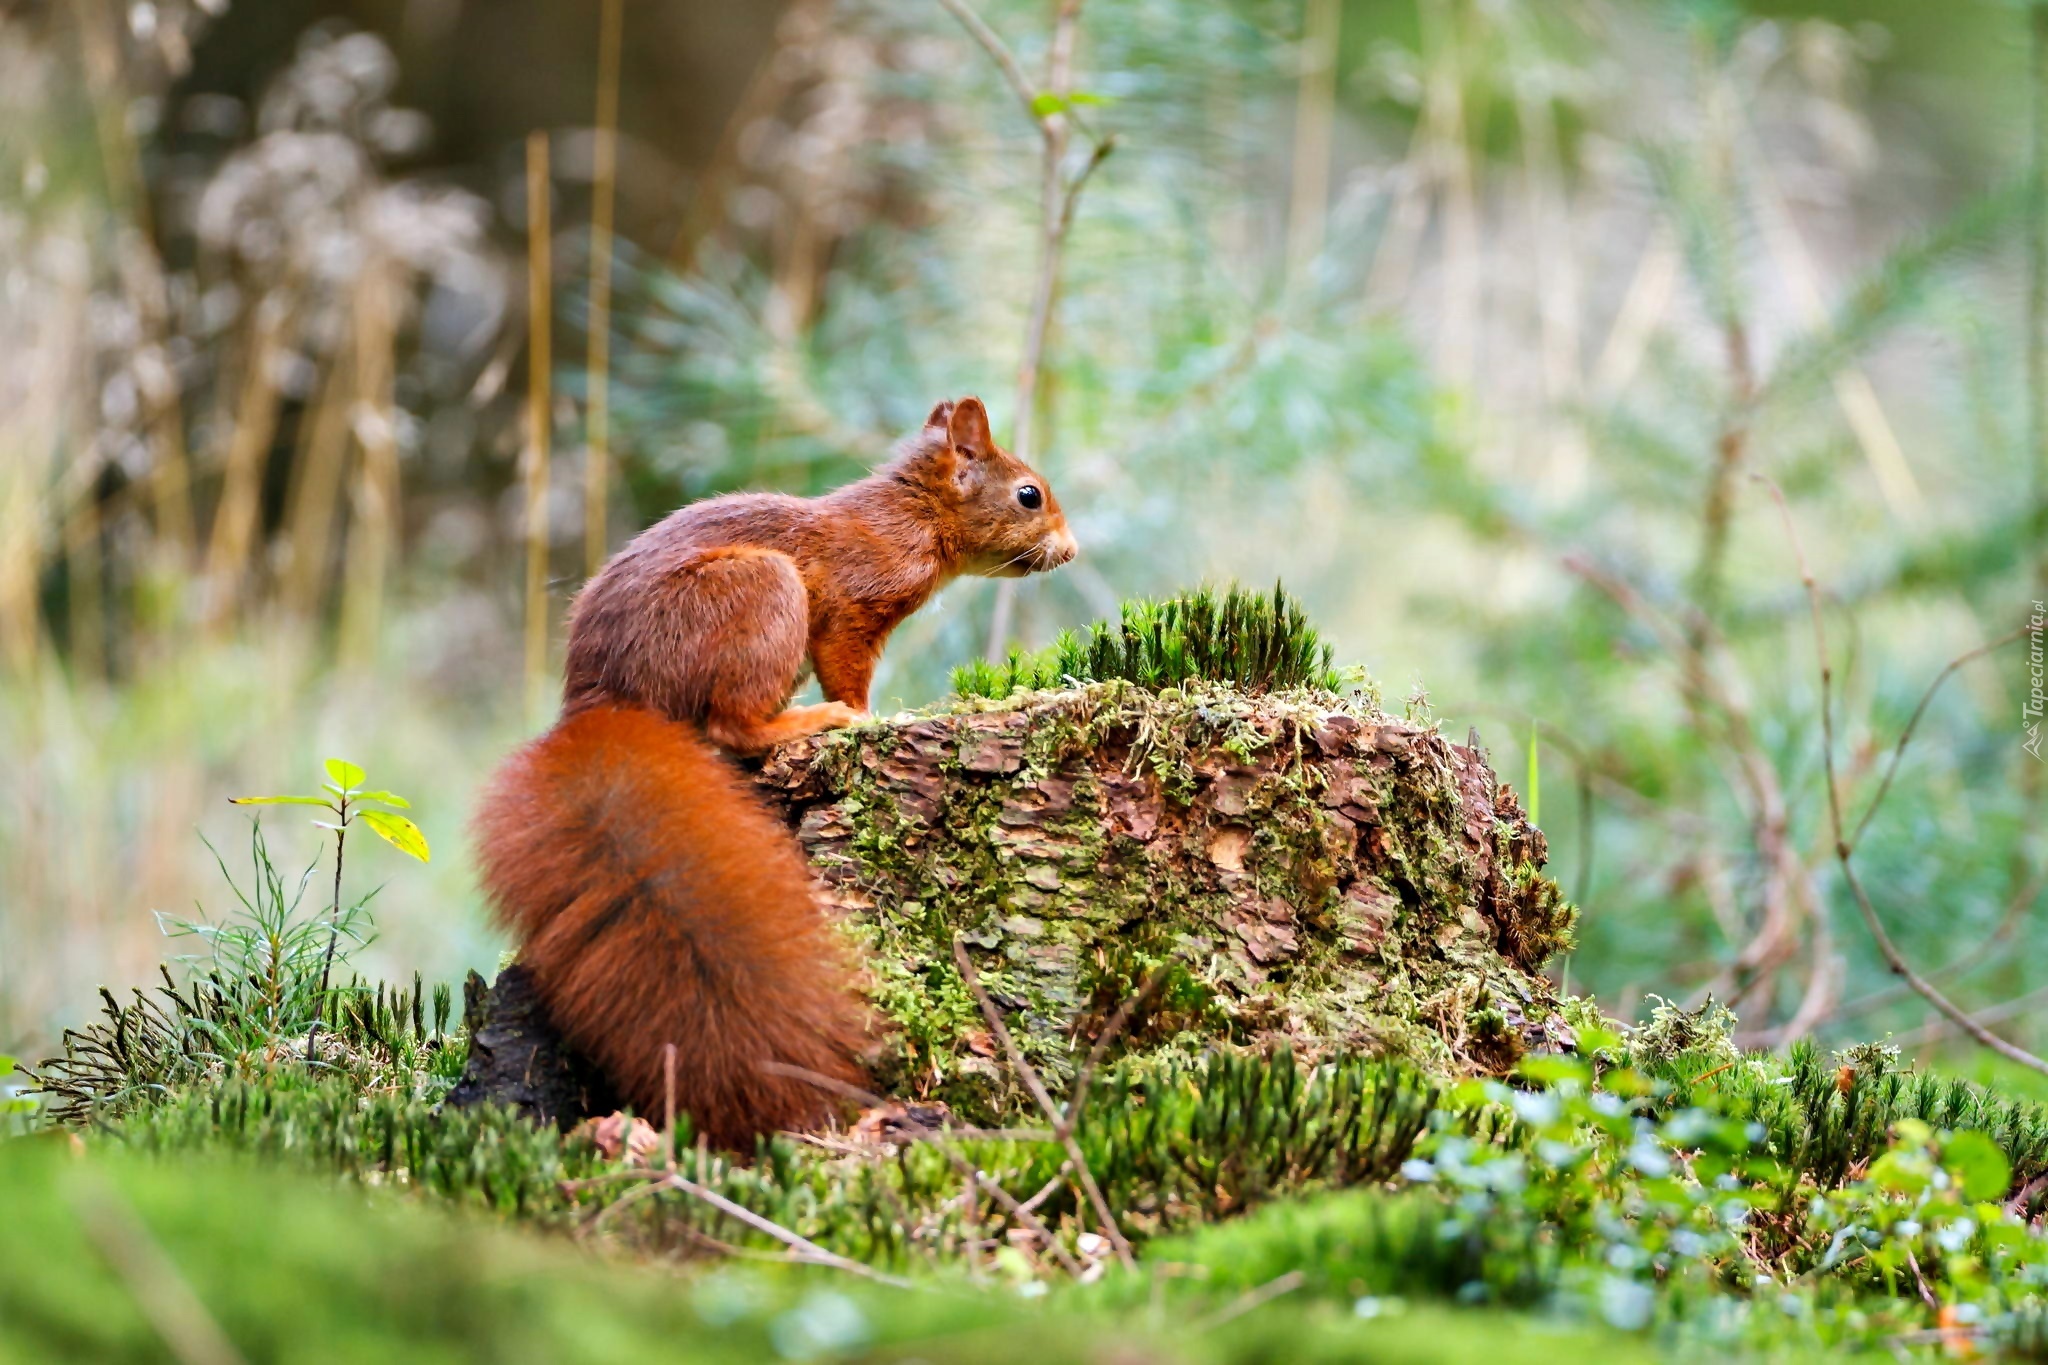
x=248 y=450
x=141 y=271
x=319 y=464
x=604 y=187
x=374 y=536
x=1448 y=153
x=1314 y=115
x=539 y=414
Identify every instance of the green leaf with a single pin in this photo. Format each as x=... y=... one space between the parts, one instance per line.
x=279 y=801
x=388 y=798
x=1550 y=1068
x=1911 y=1133
x=8 y=1064
x=1592 y=1040
x=344 y=772
x=401 y=833
x=1978 y=1164
x=1899 y=1172
x=1086 y=97
x=1045 y=102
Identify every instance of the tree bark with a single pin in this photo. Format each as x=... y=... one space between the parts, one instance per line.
x=1299 y=871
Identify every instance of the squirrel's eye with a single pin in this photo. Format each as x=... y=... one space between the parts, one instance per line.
x=1029 y=495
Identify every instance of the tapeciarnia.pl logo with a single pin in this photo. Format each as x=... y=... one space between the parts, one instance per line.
x=2037 y=680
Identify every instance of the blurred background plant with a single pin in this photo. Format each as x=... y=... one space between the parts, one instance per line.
x=1470 y=319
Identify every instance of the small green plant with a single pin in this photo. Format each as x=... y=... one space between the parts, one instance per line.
x=344 y=795
x=268 y=954
x=1251 y=640
x=264 y=980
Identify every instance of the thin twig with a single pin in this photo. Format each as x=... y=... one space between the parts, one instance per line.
x=998 y=51
x=1056 y=206
x=647 y=1189
x=163 y=1295
x=921 y=1132
x=1028 y=1074
x=1843 y=849
x=1096 y=156
x=1252 y=1298
x=1906 y=736
x=333 y=933
x=1117 y=1023
x=809 y=1250
x=1926 y=1294
x=975 y=1177
x=668 y=1107
x=1753 y=778
x=1708 y=1075
x=1055 y=217
x=1732 y=439
x=1993 y=1014
x=1045 y=1190
x=801 y=1249
x=1961 y=1334
x=2015 y=911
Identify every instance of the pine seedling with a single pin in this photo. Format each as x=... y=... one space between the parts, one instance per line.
x=344 y=796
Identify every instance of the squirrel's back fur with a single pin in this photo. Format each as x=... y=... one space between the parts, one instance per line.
x=658 y=900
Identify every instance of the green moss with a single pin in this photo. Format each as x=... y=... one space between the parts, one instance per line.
x=1257 y=641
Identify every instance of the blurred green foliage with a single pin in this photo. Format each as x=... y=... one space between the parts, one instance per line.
x=339 y=1276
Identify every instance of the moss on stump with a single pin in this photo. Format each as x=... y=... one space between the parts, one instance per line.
x=1306 y=871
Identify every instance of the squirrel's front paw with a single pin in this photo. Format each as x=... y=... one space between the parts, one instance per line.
x=837 y=714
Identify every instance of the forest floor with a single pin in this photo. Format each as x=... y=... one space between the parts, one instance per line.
x=253 y=1161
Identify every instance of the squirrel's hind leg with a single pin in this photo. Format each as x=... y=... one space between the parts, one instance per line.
x=753 y=669
x=751 y=737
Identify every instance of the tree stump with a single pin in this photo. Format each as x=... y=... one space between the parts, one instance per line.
x=517 y=1057
x=1295 y=869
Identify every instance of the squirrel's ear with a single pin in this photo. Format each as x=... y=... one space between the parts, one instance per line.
x=941 y=415
x=967 y=428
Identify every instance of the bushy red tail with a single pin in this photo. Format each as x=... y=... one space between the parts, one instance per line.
x=657 y=900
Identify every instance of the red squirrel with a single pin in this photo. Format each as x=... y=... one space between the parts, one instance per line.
x=655 y=897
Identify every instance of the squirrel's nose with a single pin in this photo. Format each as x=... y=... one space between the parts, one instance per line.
x=1064 y=546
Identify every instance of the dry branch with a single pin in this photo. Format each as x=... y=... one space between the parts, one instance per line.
x=1058 y=195
x=1032 y=1082
x=1844 y=848
x=1020 y=1210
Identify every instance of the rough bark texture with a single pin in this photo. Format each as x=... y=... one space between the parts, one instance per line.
x=516 y=1057
x=1309 y=872
x=1302 y=869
